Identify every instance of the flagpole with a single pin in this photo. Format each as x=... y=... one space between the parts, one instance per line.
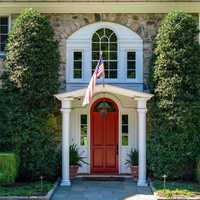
x=101 y=56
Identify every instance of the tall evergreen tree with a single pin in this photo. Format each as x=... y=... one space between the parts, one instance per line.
x=175 y=109
x=29 y=83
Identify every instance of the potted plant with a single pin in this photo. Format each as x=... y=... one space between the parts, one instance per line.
x=132 y=161
x=75 y=160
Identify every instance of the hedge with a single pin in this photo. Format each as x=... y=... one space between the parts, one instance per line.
x=28 y=110
x=174 y=137
x=8 y=168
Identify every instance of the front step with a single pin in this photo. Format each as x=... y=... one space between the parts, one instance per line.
x=97 y=177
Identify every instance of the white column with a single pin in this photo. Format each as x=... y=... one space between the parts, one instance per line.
x=141 y=109
x=66 y=109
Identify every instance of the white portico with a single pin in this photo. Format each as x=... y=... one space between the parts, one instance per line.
x=128 y=103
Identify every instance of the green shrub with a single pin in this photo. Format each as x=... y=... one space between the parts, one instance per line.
x=8 y=168
x=132 y=158
x=198 y=170
x=174 y=138
x=29 y=82
x=74 y=156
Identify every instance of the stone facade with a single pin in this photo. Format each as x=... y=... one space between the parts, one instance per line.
x=145 y=25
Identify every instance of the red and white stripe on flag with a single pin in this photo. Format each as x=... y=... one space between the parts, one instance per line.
x=92 y=84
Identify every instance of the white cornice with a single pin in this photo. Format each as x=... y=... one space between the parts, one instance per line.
x=100 y=7
x=108 y=89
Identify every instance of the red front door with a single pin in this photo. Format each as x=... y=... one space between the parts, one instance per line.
x=104 y=139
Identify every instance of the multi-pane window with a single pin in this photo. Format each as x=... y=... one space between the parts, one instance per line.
x=77 y=69
x=4 y=28
x=83 y=127
x=105 y=40
x=131 y=65
x=124 y=128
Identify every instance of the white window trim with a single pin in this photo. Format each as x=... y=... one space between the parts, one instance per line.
x=136 y=64
x=117 y=60
x=70 y=64
x=127 y=40
x=82 y=64
x=2 y=53
x=79 y=135
x=125 y=113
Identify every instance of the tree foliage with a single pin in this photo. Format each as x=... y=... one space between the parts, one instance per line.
x=175 y=109
x=27 y=103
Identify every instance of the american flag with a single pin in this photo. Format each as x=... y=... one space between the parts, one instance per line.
x=91 y=87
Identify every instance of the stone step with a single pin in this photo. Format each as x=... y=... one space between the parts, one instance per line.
x=102 y=177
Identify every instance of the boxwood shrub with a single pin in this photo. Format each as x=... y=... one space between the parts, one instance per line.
x=8 y=168
x=174 y=112
x=27 y=105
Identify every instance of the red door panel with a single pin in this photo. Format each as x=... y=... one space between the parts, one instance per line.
x=110 y=129
x=110 y=158
x=104 y=142
x=98 y=156
x=98 y=138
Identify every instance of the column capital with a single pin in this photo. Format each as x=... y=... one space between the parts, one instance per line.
x=141 y=104
x=66 y=104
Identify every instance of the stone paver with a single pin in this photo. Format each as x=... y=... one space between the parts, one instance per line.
x=103 y=190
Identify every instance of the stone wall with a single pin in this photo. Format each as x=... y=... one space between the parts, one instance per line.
x=145 y=25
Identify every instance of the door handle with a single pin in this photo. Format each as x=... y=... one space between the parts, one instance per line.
x=117 y=150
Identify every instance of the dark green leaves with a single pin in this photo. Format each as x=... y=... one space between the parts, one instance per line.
x=28 y=105
x=175 y=109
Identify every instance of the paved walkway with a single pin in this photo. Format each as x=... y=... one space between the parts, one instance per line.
x=103 y=190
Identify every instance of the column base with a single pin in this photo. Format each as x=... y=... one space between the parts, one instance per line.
x=142 y=183
x=65 y=183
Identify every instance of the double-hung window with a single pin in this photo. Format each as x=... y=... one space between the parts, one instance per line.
x=4 y=29
x=77 y=65
x=131 y=65
x=124 y=130
x=83 y=130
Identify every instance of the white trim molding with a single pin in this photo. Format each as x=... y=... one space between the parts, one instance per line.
x=82 y=40
x=14 y=7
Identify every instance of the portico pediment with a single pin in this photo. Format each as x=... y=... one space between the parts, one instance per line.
x=106 y=88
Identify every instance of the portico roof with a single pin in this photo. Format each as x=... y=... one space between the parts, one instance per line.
x=106 y=88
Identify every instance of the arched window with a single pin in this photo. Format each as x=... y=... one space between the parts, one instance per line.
x=105 y=40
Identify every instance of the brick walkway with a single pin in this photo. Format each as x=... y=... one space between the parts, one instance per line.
x=103 y=190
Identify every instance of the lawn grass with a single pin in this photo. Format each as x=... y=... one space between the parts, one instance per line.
x=26 y=189
x=175 y=189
